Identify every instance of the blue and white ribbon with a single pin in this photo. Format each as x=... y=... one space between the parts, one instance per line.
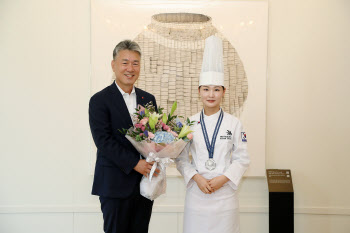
x=210 y=146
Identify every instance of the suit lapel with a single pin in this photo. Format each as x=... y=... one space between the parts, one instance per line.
x=120 y=104
x=139 y=98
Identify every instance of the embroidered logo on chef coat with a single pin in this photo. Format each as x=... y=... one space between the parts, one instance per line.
x=244 y=137
x=226 y=137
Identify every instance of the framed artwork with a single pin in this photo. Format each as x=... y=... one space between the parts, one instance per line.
x=171 y=35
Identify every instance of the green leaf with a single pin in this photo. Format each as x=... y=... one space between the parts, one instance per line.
x=173 y=108
x=146 y=112
x=138 y=138
x=123 y=131
x=165 y=119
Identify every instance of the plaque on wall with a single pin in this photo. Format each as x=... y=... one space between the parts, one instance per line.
x=279 y=180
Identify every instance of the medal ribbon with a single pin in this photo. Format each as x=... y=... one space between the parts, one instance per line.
x=210 y=146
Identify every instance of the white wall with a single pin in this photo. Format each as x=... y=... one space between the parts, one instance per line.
x=44 y=138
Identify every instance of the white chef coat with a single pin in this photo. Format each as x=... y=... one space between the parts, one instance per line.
x=216 y=212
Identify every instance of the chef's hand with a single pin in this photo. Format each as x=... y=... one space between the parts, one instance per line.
x=203 y=184
x=144 y=168
x=217 y=182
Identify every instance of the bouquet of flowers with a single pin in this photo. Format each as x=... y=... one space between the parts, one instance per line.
x=160 y=138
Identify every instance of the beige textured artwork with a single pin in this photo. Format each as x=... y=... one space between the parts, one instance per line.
x=172 y=37
x=172 y=51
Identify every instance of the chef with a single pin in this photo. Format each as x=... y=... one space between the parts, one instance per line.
x=219 y=154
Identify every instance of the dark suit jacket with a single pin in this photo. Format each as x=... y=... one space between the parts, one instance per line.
x=116 y=157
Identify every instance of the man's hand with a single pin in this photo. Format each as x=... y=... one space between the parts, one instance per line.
x=203 y=184
x=217 y=182
x=144 y=168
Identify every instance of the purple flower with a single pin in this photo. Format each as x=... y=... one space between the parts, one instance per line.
x=179 y=124
x=146 y=133
x=142 y=113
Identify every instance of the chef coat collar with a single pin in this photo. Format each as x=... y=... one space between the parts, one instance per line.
x=213 y=116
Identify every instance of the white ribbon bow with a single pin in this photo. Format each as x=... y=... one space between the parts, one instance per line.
x=163 y=162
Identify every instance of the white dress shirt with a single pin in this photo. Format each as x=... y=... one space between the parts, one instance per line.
x=130 y=99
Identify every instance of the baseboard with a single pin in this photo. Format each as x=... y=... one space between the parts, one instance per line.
x=162 y=208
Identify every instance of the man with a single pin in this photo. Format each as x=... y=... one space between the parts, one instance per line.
x=119 y=169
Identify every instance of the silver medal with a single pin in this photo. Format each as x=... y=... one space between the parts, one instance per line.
x=210 y=164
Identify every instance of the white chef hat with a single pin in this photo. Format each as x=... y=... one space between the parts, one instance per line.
x=213 y=66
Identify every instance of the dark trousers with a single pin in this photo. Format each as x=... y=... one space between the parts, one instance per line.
x=131 y=215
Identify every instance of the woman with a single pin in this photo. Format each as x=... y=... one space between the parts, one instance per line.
x=219 y=155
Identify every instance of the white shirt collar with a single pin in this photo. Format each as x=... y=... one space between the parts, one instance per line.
x=123 y=92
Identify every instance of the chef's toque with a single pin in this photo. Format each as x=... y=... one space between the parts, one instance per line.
x=213 y=66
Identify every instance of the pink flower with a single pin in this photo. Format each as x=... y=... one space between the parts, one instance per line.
x=174 y=133
x=143 y=128
x=150 y=135
x=190 y=136
x=168 y=130
x=144 y=121
x=141 y=134
x=138 y=126
x=165 y=127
